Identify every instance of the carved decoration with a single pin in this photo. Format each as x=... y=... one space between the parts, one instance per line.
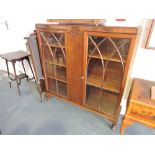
x=75 y=31
x=143 y=112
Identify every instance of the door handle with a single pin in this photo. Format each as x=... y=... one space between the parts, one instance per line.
x=82 y=77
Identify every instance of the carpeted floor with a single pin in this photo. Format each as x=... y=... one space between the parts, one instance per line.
x=26 y=115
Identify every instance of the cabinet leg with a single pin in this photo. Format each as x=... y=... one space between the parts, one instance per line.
x=113 y=127
x=40 y=93
x=125 y=124
x=31 y=68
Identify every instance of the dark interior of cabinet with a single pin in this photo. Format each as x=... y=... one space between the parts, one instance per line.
x=101 y=100
x=104 y=46
x=61 y=73
x=59 y=57
x=53 y=39
x=57 y=87
x=108 y=78
x=50 y=71
x=62 y=88
x=55 y=54
x=57 y=72
x=52 y=85
x=48 y=55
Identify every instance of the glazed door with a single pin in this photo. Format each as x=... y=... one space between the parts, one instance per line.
x=54 y=62
x=107 y=56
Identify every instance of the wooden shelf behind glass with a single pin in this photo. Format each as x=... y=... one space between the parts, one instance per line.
x=50 y=62
x=62 y=87
x=106 y=56
x=56 y=45
x=58 y=79
x=110 y=85
x=60 y=75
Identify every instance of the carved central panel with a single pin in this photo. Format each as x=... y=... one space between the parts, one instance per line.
x=75 y=31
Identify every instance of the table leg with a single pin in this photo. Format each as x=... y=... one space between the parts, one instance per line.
x=8 y=72
x=125 y=123
x=13 y=64
x=24 y=69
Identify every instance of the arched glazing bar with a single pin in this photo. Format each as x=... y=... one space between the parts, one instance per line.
x=59 y=45
x=104 y=64
x=48 y=45
x=53 y=56
x=116 y=50
x=96 y=46
x=98 y=50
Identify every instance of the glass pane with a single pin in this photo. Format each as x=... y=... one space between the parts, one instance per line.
x=113 y=76
x=109 y=103
x=47 y=54
x=53 y=39
x=96 y=46
x=49 y=70
x=59 y=57
x=51 y=85
x=62 y=87
x=115 y=49
x=95 y=72
x=61 y=73
x=122 y=46
x=53 y=44
x=106 y=62
x=93 y=97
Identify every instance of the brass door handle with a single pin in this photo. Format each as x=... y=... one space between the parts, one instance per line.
x=82 y=77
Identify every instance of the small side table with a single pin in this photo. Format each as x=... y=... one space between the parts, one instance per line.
x=13 y=57
x=140 y=107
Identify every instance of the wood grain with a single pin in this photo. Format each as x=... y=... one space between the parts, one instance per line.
x=140 y=106
x=74 y=77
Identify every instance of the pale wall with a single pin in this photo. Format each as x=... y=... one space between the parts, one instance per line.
x=143 y=65
x=13 y=39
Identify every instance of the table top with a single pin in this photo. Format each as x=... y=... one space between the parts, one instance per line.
x=141 y=92
x=14 y=56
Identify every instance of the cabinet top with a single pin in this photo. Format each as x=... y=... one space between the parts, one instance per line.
x=78 y=21
x=87 y=27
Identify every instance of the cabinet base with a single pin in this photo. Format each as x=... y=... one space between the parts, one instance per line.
x=113 y=120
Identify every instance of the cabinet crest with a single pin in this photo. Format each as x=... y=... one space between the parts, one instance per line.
x=75 y=31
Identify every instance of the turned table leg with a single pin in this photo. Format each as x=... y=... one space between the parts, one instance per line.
x=125 y=123
x=24 y=70
x=8 y=72
x=14 y=68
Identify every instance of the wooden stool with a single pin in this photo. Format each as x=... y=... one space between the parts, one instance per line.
x=140 y=107
x=13 y=57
